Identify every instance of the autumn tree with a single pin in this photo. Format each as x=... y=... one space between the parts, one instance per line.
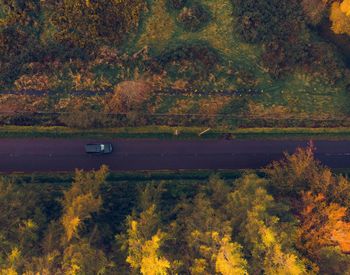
x=142 y=242
x=340 y=17
x=66 y=249
x=21 y=223
x=229 y=259
x=294 y=172
x=198 y=225
x=320 y=199
x=202 y=234
x=216 y=253
x=302 y=172
x=269 y=250
x=11 y=263
x=81 y=200
x=333 y=262
x=322 y=225
x=210 y=227
x=268 y=254
x=82 y=258
x=152 y=263
x=250 y=189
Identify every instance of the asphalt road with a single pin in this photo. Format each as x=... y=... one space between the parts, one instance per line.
x=43 y=155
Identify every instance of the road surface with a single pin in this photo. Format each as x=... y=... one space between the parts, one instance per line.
x=44 y=155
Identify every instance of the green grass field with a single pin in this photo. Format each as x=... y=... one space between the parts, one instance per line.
x=238 y=66
x=298 y=93
x=166 y=132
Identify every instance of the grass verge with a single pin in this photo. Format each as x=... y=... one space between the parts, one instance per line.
x=134 y=176
x=167 y=132
x=66 y=179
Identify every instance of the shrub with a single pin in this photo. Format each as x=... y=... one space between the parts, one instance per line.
x=129 y=96
x=86 y=23
x=33 y=82
x=84 y=118
x=176 y=4
x=188 y=61
x=193 y=18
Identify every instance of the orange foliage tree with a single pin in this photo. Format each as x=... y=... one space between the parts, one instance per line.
x=322 y=224
x=340 y=17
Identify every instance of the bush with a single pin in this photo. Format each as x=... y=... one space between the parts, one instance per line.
x=193 y=18
x=176 y=4
x=188 y=62
x=84 y=118
x=85 y=24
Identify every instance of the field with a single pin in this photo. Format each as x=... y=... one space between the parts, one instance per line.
x=212 y=70
x=298 y=93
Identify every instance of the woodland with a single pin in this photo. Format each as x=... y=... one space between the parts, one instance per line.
x=93 y=64
x=291 y=217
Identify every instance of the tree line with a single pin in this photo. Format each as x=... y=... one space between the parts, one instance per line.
x=290 y=219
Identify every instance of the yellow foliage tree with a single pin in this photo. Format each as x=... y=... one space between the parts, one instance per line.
x=345 y=7
x=216 y=253
x=81 y=258
x=11 y=263
x=270 y=251
x=81 y=200
x=267 y=249
x=279 y=262
x=80 y=210
x=134 y=243
x=143 y=241
x=140 y=229
x=229 y=260
x=340 y=17
x=199 y=267
x=143 y=254
x=151 y=262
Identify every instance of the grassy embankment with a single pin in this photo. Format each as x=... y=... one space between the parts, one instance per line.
x=166 y=132
x=298 y=93
x=138 y=176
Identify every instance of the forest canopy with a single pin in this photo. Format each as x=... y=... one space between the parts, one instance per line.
x=292 y=219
